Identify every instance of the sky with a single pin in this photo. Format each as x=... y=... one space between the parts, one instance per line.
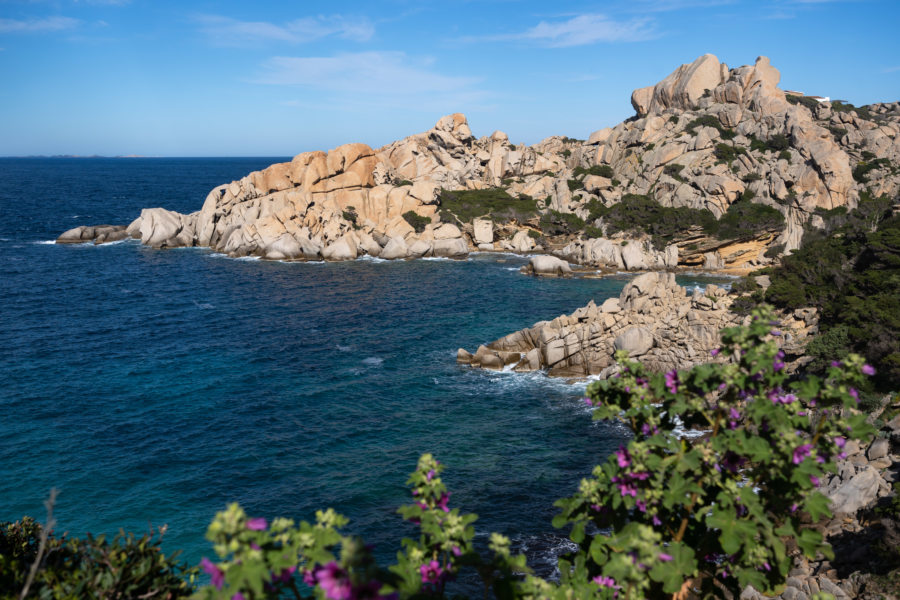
x=270 y=78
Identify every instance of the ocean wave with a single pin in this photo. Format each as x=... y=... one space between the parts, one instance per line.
x=373 y=361
x=374 y=259
x=52 y=242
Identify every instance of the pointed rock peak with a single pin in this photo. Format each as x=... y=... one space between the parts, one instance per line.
x=766 y=72
x=682 y=88
x=456 y=125
x=499 y=136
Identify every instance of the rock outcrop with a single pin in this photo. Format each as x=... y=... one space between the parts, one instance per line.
x=654 y=319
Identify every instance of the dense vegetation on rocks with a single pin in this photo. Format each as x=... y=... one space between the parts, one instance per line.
x=850 y=271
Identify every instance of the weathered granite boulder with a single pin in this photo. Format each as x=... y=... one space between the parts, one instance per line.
x=98 y=234
x=483 y=231
x=548 y=266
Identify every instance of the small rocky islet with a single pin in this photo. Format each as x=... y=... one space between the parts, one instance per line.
x=719 y=169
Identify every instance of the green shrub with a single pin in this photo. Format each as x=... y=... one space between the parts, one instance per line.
x=674 y=171
x=535 y=235
x=747 y=195
x=710 y=121
x=496 y=202
x=810 y=103
x=861 y=172
x=673 y=119
x=837 y=132
x=351 y=216
x=566 y=153
x=593 y=232
x=749 y=177
x=747 y=219
x=642 y=214
x=402 y=182
x=417 y=222
x=785 y=155
x=727 y=152
x=92 y=567
x=557 y=223
x=852 y=275
x=599 y=170
x=575 y=184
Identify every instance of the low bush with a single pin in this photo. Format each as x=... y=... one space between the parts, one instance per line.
x=558 y=223
x=727 y=152
x=599 y=170
x=417 y=222
x=745 y=219
x=496 y=202
x=710 y=121
x=674 y=171
x=810 y=103
x=862 y=169
x=93 y=567
x=637 y=213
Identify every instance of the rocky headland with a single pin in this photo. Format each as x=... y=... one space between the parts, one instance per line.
x=715 y=145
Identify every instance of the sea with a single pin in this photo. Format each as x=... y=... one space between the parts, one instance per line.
x=155 y=387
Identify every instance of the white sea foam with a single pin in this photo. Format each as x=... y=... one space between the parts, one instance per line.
x=203 y=305
x=50 y=242
x=373 y=361
x=344 y=348
x=374 y=259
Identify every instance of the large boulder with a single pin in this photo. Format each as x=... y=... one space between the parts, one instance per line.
x=858 y=491
x=634 y=340
x=450 y=248
x=343 y=249
x=548 y=266
x=483 y=231
x=395 y=248
x=99 y=234
x=161 y=228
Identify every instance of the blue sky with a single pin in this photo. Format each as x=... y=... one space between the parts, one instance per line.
x=228 y=78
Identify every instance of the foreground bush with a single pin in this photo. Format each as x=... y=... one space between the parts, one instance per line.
x=666 y=515
x=93 y=567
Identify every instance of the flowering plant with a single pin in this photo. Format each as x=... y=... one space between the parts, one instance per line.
x=717 y=487
x=713 y=513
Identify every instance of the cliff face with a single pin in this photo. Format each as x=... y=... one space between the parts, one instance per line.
x=705 y=137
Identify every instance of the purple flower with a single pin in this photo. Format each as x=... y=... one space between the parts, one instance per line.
x=767 y=566
x=623 y=457
x=308 y=578
x=257 y=524
x=714 y=352
x=238 y=596
x=442 y=503
x=854 y=394
x=814 y=480
x=641 y=505
x=588 y=401
x=801 y=452
x=777 y=364
x=216 y=575
x=840 y=441
x=665 y=557
x=775 y=332
x=456 y=551
x=656 y=520
x=430 y=475
x=607 y=582
x=868 y=369
x=334 y=582
x=431 y=572
x=837 y=363
x=672 y=381
x=733 y=461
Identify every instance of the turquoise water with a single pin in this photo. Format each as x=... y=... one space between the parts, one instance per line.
x=154 y=387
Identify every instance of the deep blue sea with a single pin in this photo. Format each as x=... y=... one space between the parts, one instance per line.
x=154 y=387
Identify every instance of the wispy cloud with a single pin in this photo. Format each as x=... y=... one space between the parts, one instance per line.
x=371 y=72
x=580 y=30
x=228 y=31
x=373 y=78
x=46 y=24
x=675 y=5
x=891 y=69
